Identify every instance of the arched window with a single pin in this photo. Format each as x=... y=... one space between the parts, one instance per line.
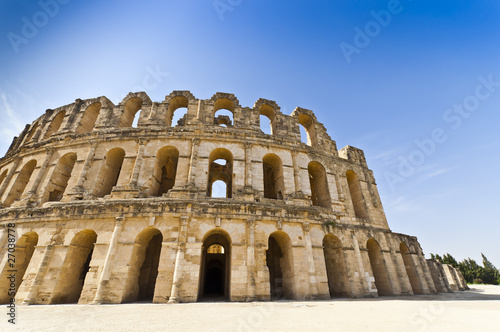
x=24 y=249
x=110 y=172
x=131 y=108
x=220 y=168
x=177 y=110
x=21 y=182
x=165 y=171
x=75 y=268
x=144 y=264
x=320 y=195
x=336 y=270
x=307 y=123
x=224 y=112
x=279 y=260
x=274 y=185
x=89 y=118
x=379 y=269
x=356 y=195
x=60 y=177
x=55 y=124
x=267 y=119
x=31 y=133
x=215 y=271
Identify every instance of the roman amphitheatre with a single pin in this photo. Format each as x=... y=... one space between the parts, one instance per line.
x=114 y=204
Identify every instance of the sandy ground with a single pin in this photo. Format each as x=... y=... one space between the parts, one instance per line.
x=477 y=309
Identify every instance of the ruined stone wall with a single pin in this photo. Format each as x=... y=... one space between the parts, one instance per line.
x=115 y=203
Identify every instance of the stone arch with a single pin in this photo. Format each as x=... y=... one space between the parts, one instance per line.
x=320 y=194
x=60 y=177
x=279 y=260
x=357 y=199
x=21 y=182
x=75 y=268
x=130 y=109
x=23 y=251
x=144 y=263
x=336 y=270
x=308 y=122
x=165 y=170
x=411 y=270
x=379 y=269
x=109 y=172
x=32 y=132
x=174 y=104
x=268 y=109
x=224 y=101
x=55 y=124
x=219 y=171
x=215 y=271
x=274 y=184
x=89 y=118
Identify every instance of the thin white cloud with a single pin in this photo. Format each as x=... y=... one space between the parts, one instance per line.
x=10 y=125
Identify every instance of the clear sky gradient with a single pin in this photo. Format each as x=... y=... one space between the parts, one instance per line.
x=425 y=71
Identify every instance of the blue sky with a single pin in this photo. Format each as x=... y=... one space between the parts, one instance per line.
x=415 y=75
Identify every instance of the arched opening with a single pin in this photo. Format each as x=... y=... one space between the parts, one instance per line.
x=144 y=265
x=416 y=286
x=356 y=195
x=307 y=123
x=177 y=111
x=223 y=112
x=131 y=108
x=267 y=119
x=377 y=263
x=24 y=248
x=55 y=124
x=279 y=260
x=219 y=189
x=75 y=268
x=274 y=185
x=320 y=194
x=215 y=267
x=21 y=182
x=336 y=270
x=31 y=133
x=89 y=118
x=220 y=168
x=60 y=177
x=165 y=170
x=110 y=172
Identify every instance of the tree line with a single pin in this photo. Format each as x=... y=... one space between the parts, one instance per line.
x=473 y=272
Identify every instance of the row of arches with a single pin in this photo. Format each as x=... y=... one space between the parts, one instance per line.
x=164 y=173
x=215 y=266
x=176 y=115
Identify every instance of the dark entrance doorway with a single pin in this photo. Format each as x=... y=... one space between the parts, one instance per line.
x=215 y=267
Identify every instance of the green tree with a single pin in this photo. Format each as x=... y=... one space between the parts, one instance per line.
x=470 y=269
x=448 y=259
x=490 y=273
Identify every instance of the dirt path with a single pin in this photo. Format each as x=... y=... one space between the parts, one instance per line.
x=475 y=310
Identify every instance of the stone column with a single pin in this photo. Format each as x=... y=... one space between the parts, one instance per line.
x=78 y=189
x=7 y=179
x=40 y=274
x=251 y=267
x=179 y=259
x=105 y=275
x=296 y=173
x=311 y=269
x=31 y=195
x=248 y=165
x=138 y=164
x=192 y=162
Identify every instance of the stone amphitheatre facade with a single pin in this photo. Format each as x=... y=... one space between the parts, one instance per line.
x=114 y=203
